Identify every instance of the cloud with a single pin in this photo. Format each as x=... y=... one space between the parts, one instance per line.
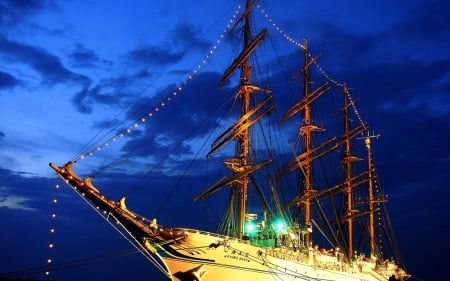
x=79 y=100
x=8 y=81
x=82 y=57
x=18 y=191
x=428 y=21
x=337 y=43
x=14 y=202
x=180 y=40
x=407 y=102
x=155 y=55
x=189 y=107
x=408 y=85
x=403 y=83
x=119 y=90
x=186 y=36
x=47 y=65
x=14 y=12
x=86 y=98
x=112 y=91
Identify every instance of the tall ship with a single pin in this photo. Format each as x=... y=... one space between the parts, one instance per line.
x=302 y=196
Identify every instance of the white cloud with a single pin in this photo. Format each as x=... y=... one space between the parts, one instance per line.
x=15 y=202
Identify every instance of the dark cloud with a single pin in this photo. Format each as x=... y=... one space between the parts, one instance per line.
x=26 y=206
x=414 y=148
x=180 y=40
x=401 y=79
x=186 y=36
x=394 y=85
x=88 y=97
x=20 y=184
x=155 y=55
x=47 y=65
x=118 y=90
x=14 y=12
x=428 y=21
x=82 y=101
x=329 y=40
x=400 y=85
x=82 y=57
x=113 y=91
x=7 y=81
x=404 y=99
x=189 y=108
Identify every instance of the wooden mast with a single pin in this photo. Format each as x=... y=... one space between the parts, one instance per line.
x=371 y=198
x=309 y=153
x=348 y=159
x=243 y=141
x=306 y=132
x=241 y=165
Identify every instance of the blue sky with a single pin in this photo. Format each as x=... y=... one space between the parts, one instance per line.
x=68 y=68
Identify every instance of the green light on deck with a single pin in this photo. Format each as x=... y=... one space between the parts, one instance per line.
x=250 y=228
x=280 y=226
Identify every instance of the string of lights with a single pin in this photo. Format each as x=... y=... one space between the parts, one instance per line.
x=290 y=39
x=194 y=73
x=279 y=29
x=169 y=98
x=51 y=244
x=339 y=84
x=380 y=199
x=355 y=109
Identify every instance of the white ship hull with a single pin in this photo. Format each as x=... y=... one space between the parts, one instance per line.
x=189 y=255
x=206 y=256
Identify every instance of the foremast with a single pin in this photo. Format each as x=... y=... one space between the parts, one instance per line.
x=242 y=164
x=243 y=140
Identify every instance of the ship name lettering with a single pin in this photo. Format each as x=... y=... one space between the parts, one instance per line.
x=237 y=258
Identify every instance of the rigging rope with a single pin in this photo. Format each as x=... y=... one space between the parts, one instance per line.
x=163 y=102
x=125 y=233
x=187 y=168
x=67 y=264
x=321 y=70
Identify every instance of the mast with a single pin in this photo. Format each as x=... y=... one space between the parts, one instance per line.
x=348 y=160
x=306 y=132
x=309 y=153
x=243 y=141
x=241 y=165
x=371 y=198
